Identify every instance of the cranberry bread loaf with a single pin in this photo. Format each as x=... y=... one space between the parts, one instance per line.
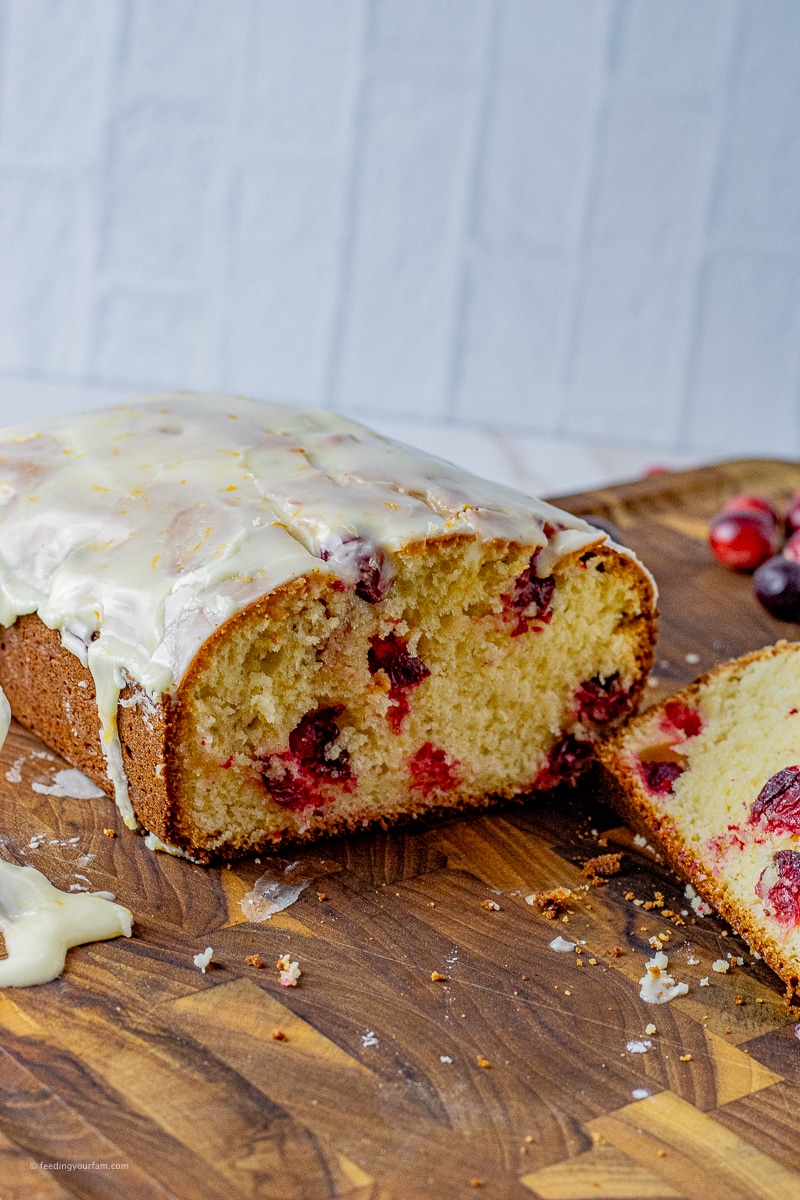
x=714 y=774
x=283 y=625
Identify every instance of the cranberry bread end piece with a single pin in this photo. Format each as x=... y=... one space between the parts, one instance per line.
x=713 y=774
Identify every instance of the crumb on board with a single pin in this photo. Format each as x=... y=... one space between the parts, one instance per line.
x=685 y=1057
x=254 y=960
x=322 y=896
x=490 y=905
x=551 y=903
x=437 y=977
x=598 y=869
x=203 y=959
x=483 y=1062
x=615 y=952
x=289 y=971
x=112 y=833
x=278 y=1035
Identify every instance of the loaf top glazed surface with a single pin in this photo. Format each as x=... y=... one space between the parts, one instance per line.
x=137 y=531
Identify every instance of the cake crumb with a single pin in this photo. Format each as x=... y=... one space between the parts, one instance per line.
x=278 y=1035
x=662 y=1154
x=599 y=868
x=738 y=999
x=289 y=971
x=112 y=833
x=651 y=1029
x=476 y=1183
x=254 y=960
x=551 y=903
x=483 y=1062
x=202 y=960
x=437 y=977
x=720 y=965
x=615 y=952
x=685 y=1057
x=490 y=905
x=322 y=896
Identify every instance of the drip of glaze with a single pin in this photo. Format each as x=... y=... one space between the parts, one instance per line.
x=40 y=923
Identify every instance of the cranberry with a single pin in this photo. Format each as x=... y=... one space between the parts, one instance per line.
x=776 y=584
x=677 y=715
x=292 y=778
x=391 y=655
x=373 y=580
x=660 y=776
x=311 y=739
x=601 y=700
x=405 y=670
x=742 y=540
x=778 y=803
x=531 y=598
x=792 y=548
x=431 y=771
x=566 y=760
x=781 y=896
x=749 y=502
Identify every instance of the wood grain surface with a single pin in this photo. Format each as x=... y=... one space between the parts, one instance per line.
x=135 y=1075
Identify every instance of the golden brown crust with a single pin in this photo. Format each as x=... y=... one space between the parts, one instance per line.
x=624 y=792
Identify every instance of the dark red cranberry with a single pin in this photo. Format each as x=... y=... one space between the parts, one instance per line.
x=777 y=588
x=742 y=540
x=531 y=598
x=390 y=654
x=792 y=548
x=373 y=580
x=405 y=670
x=750 y=502
x=566 y=760
x=782 y=898
x=290 y=791
x=313 y=736
x=602 y=700
x=660 y=776
x=678 y=715
x=431 y=771
x=778 y=803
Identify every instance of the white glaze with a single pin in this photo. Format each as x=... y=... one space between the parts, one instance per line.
x=137 y=531
x=40 y=924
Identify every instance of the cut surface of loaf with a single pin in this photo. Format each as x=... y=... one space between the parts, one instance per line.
x=714 y=774
x=270 y=624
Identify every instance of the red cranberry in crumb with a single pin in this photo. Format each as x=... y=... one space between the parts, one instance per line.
x=750 y=502
x=391 y=655
x=776 y=584
x=742 y=540
x=311 y=740
x=531 y=598
x=431 y=771
x=373 y=580
x=677 y=715
x=405 y=670
x=601 y=700
x=779 y=888
x=660 y=776
x=566 y=760
x=777 y=805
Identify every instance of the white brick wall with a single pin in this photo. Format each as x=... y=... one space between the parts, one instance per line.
x=567 y=219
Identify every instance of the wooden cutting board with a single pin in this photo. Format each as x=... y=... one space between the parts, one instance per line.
x=516 y=1075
